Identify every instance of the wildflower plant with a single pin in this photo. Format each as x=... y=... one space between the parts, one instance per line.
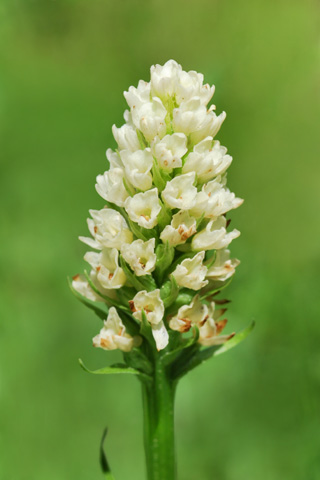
x=160 y=247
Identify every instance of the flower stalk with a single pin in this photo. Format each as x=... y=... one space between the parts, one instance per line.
x=161 y=247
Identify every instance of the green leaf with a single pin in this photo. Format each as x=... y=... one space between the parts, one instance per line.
x=103 y=459
x=138 y=360
x=143 y=142
x=213 y=287
x=201 y=356
x=183 y=298
x=159 y=176
x=140 y=232
x=164 y=217
x=115 y=369
x=169 y=291
x=165 y=255
x=210 y=258
x=88 y=303
x=234 y=341
x=169 y=357
x=129 y=190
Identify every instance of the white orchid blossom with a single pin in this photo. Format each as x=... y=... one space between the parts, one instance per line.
x=191 y=272
x=223 y=267
x=113 y=159
x=126 y=137
x=153 y=307
x=214 y=200
x=144 y=208
x=106 y=265
x=137 y=167
x=208 y=159
x=182 y=227
x=170 y=80
x=113 y=334
x=180 y=192
x=214 y=236
x=209 y=331
x=150 y=118
x=170 y=150
x=81 y=285
x=188 y=315
x=108 y=228
x=140 y=256
x=110 y=186
x=167 y=175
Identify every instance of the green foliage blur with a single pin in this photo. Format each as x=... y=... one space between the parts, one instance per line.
x=250 y=414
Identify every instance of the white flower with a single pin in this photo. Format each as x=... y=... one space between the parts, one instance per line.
x=110 y=186
x=207 y=160
x=113 y=334
x=223 y=267
x=170 y=150
x=191 y=272
x=137 y=167
x=114 y=159
x=153 y=306
x=211 y=328
x=214 y=236
x=150 y=118
x=143 y=208
x=137 y=96
x=126 y=137
x=180 y=192
x=81 y=285
x=108 y=228
x=209 y=126
x=164 y=79
x=214 y=200
x=140 y=256
x=191 y=85
x=181 y=228
x=192 y=118
x=105 y=263
x=194 y=314
x=170 y=80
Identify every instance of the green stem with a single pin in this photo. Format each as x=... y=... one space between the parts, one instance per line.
x=158 y=409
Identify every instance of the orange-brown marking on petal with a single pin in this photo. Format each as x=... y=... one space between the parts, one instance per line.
x=98 y=268
x=104 y=342
x=220 y=325
x=203 y=321
x=110 y=276
x=132 y=306
x=95 y=229
x=187 y=325
x=76 y=278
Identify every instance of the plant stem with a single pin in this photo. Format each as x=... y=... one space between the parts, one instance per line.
x=158 y=409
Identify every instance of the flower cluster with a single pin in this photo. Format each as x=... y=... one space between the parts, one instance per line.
x=161 y=241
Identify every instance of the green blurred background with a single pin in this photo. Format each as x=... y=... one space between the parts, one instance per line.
x=250 y=414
